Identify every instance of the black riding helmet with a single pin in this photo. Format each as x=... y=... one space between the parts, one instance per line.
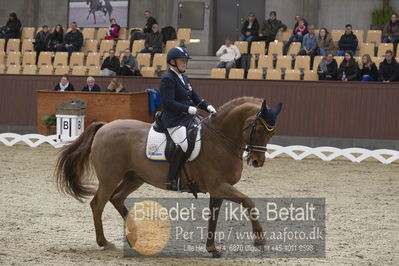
x=177 y=52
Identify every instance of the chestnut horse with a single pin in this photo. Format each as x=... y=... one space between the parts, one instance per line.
x=117 y=152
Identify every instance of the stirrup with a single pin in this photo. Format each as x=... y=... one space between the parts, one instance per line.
x=174 y=186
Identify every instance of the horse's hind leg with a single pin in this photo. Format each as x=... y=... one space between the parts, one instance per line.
x=130 y=183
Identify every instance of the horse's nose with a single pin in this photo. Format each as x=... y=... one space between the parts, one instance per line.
x=255 y=163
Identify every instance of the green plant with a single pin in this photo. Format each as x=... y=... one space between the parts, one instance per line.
x=381 y=16
x=49 y=120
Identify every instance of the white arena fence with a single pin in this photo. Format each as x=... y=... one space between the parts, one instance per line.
x=357 y=155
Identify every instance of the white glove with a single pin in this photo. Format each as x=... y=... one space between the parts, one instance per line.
x=192 y=110
x=211 y=109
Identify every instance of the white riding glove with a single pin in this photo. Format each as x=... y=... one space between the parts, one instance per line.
x=211 y=109
x=192 y=110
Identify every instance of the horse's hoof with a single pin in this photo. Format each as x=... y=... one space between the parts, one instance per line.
x=109 y=246
x=218 y=255
x=260 y=244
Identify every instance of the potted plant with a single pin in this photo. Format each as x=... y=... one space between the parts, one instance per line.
x=380 y=17
x=50 y=122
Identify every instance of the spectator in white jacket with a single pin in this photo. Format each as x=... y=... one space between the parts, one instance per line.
x=228 y=54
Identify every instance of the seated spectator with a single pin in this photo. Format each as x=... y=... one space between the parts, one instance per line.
x=299 y=32
x=369 y=71
x=153 y=41
x=41 y=40
x=137 y=35
x=64 y=84
x=348 y=69
x=12 y=28
x=168 y=34
x=115 y=86
x=309 y=44
x=328 y=68
x=55 y=38
x=348 y=41
x=91 y=85
x=250 y=28
x=325 y=42
x=389 y=68
x=390 y=34
x=270 y=28
x=228 y=54
x=113 y=31
x=111 y=65
x=129 y=65
x=73 y=40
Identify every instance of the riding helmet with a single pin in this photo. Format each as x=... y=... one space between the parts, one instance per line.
x=177 y=52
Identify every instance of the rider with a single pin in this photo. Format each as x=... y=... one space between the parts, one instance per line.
x=180 y=103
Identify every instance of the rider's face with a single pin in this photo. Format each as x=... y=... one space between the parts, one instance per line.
x=181 y=63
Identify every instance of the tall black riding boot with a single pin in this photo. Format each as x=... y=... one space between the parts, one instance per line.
x=176 y=164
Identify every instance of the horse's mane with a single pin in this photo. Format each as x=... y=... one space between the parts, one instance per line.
x=237 y=102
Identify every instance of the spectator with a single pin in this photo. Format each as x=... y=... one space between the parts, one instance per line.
x=390 y=33
x=270 y=28
x=113 y=31
x=64 y=84
x=41 y=40
x=328 y=68
x=299 y=32
x=228 y=54
x=12 y=28
x=309 y=44
x=168 y=34
x=348 y=41
x=55 y=38
x=389 y=68
x=250 y=28
x=137 y=35
x=153 y=41
x=91 y=85
x=129 y=65
x=73 y=40
x=115 y=86
x=348 y=69
x=325 y=42
x=369 y=71
x=111 y=65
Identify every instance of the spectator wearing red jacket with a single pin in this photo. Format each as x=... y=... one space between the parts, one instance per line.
x=113 y=31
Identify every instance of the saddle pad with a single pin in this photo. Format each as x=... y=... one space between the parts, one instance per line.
x=156 y=144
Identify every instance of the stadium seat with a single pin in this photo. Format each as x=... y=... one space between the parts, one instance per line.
x=79 y=71
x=184 y=34
x=90 y=46
x=13 y=58
x=258 y=48
x=2 y=44
x=2 y=57
x=93 y=59
x=121 y=46
x=147 y=72
x=242 y=46
x=374 y=36
x=255 y=74
x=44 y=58
x=28 y=33
x=218 y=73
x=273 y=74
x=383 y=47
x=27 y=45
x=310 y=75
x=122 y=34
x=292 y=74
x=13 y=69
x=106 y=45
x=265 y=61
x=160 y=62
x=61 y=59
x=13 y=45
x=143 y=60
x=170 y=44
x=339 y=59
x=302 y=62
x=316 y=61
x=360 y=35
x=294 y=49
x=46 y=70
x=377 y=61
x=284 y=61
x=2 y=69
x=76 y=59
x=29 y=70
x=29 y=58
x=284 y=35
x=93 y=71
x=336 y=35
x=101 y=33
x=236 y=73
x=61 y=70
x=275 y=48
x=367 y=48
x=88 y=33
x=138 y=45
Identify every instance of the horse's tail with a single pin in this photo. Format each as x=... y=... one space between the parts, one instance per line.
x=74 y=162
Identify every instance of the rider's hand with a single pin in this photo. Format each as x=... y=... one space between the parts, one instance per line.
x=211 y=109
x=192 y=110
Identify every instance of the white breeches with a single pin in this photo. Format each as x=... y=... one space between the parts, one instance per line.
x=179 y=136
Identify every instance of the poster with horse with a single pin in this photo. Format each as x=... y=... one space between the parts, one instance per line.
x=97 y=13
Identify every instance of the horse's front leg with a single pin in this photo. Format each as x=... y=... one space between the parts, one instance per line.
x=228 y=192
x=214 y=207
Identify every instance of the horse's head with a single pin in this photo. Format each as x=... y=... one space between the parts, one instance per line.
x=261 y=129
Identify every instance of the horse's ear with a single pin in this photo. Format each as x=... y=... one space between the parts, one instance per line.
x=278 y=108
